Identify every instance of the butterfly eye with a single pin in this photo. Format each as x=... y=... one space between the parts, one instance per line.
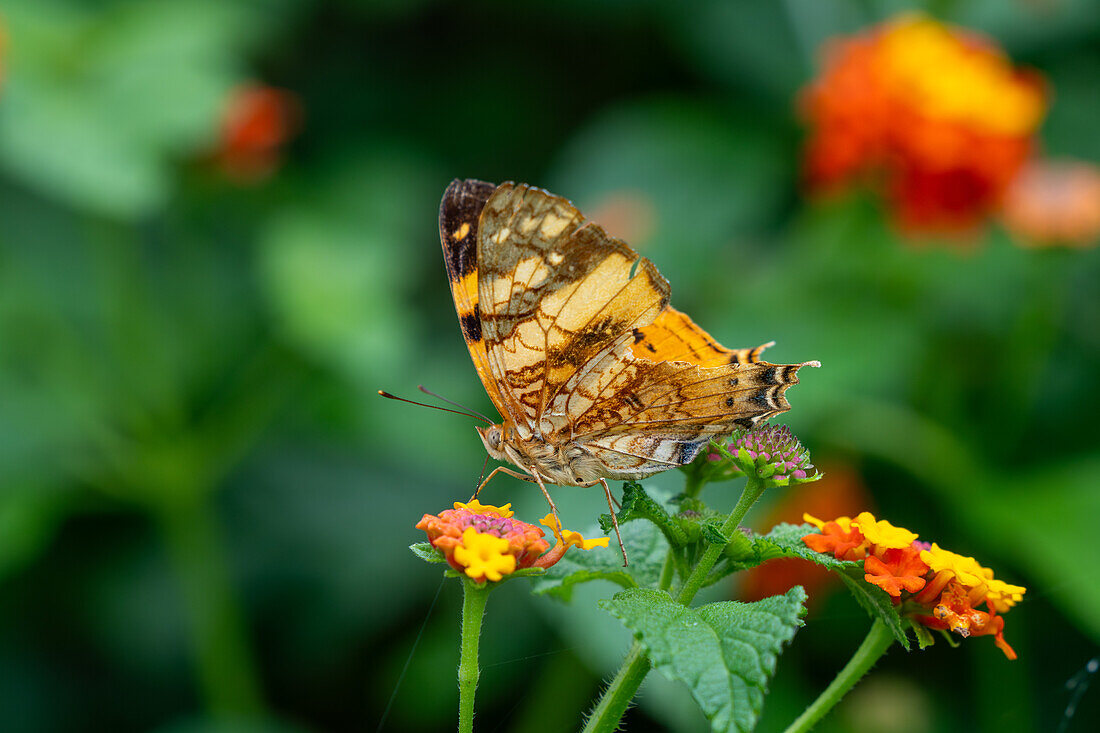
x=494 y=437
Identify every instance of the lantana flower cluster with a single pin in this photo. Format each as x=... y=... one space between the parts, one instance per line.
x=936 y=587
x=938 y=114
x=771 y=452
x=485 y=543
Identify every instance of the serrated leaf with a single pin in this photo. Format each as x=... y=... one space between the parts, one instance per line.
x=637 y=504
x=785 y=540
x=724 y=652
x=712 y=533
x=426 y=552
x=876 y=602
x=924 y=636
x=645 y=546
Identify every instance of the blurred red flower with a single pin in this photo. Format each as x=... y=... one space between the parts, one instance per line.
x=1055 y=203
x=935 y=115
x=258 y=121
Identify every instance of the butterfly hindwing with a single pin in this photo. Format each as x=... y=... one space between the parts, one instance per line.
x=673 y=336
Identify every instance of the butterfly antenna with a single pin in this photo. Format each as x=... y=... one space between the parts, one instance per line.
x=427 y=391
x=389 y=396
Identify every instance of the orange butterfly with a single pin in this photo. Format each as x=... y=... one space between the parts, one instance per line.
x=594 y=374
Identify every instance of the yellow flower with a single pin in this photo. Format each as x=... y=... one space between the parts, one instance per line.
x=476 y=507
x=965 y=569
x=884 y=534
x=844 y=522
x=484 y=556
x=570 y=538
x=1002 y=595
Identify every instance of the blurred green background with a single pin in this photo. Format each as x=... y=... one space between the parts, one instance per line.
x=205 y=508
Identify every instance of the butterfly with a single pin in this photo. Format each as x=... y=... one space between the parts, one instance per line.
x=594 y=374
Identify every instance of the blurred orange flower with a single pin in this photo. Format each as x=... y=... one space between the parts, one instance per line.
x=258 y=121
x=1055 y=202
x=937 y=115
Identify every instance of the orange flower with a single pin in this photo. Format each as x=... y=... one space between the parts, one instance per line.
x=1055 y=202
x=259 y=120
x=936 y=587
x=936 y=114
x=898 y=569
x=484 y=542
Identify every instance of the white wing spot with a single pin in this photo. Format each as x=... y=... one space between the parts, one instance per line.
x=555 y=258
x=553 y=225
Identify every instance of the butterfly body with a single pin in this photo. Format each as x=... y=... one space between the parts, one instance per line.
x=595 y=375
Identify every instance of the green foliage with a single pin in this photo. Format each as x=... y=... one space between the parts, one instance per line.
x=426 y=552
x=646 y=549
x=876 y=602
x=724 y=652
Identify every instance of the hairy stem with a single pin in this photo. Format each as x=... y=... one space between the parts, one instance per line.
x=473 y=611
x=752 y=491
x=612 y=705
x=878 y=640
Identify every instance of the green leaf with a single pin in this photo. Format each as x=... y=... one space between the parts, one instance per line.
x=924 y=636
x=645 y=547
x=876 y=602
x=426 y=552
x=724 y=652
x=785 y=540
x=637 y=504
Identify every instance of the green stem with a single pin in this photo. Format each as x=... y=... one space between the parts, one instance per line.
x=752 y=491
x=609 y=710
x=225 y=670
x=612 y=705
x=667 y=571
x=693 y=484
x=878 y=640
x=473 y=611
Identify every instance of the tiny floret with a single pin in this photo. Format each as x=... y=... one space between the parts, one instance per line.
x=769 y=452
x=483 y=556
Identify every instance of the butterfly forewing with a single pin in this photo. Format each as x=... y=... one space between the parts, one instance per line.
x=555 y=291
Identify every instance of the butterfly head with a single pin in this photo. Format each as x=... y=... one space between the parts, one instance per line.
x=493 y=438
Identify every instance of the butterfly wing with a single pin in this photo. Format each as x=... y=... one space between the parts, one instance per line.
x=661 y=414
x=459 y=215
x=573 y=337
x=673 y=336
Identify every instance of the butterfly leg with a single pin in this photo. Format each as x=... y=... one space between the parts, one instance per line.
x=510 y=472
x=614 y=519
x=553 y=507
